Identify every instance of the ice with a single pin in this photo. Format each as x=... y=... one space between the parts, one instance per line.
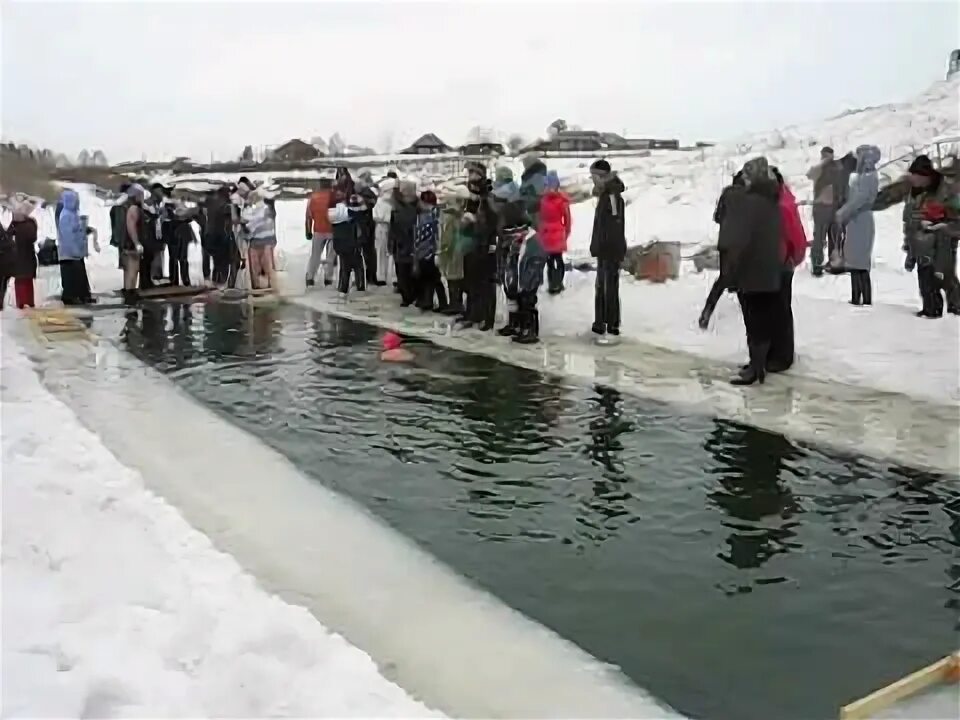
x=114 y=606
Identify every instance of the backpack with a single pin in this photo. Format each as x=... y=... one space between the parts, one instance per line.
x=47 y=254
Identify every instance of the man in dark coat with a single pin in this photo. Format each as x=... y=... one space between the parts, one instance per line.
x=751 y=261
x=479 y=223
x=608 y=244
x=403 y=225
x=366 y=227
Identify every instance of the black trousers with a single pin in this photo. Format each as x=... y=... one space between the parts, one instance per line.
x=206 y=259
x=480 y=277
x=177 y=260
x=713 y=297
x=351 y=261
x=369 y=250
x=73 y=279
x=4 y=281
x=606 y=302
x=861 y=290
x=406 y=283
x=146 y=261
x=429 y=284
x=782 y=351
x=234 y=262
x=555 y=272
x=456 y=292
x=218 y=251
x=930 y=291
x=761 y=313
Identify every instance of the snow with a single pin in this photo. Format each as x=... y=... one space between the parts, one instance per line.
x=114 y=606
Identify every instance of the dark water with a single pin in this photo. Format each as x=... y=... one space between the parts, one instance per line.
x=729 y=571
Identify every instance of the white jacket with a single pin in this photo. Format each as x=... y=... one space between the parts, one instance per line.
x=383 y=210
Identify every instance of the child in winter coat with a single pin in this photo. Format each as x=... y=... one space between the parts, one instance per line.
x=554 y=230
x=426 y=239
x=382 y=212
x=346 y=241
x=23 y=229
x=522 y=274
x=450 y=254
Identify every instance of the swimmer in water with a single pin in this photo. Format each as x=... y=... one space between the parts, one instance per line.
x=392 y=349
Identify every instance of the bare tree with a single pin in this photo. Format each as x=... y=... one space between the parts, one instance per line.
x=83 y=158
x=557 y=126
x=515 y=142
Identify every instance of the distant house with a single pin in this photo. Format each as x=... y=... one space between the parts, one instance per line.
x=295 y=150
x=579 y=141
x=428 y=144
x=482 y=148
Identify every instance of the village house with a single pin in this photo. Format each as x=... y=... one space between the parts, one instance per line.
x=587 y=141
x=295 y=150
x=428 y=144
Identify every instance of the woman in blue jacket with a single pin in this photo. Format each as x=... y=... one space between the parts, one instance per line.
x=72 y=249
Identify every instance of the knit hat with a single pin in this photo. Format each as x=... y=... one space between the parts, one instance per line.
x=429 y=197
x=826 y=150
x=756 y=169
x=601 y=166
x=553 y=180
x=922 y=165
x=503 y=174
x=529 y=159
x=390 y=341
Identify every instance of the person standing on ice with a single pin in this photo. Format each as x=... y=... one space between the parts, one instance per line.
x=793 y=249
x=366 y=227
x=450 y=252
x=259 y=221
x=130 y=230
x=479 y=226
x=71 y=250
x=403 y=224
x=319 y=233
x=554 y=230
x=720 y=284
x=856 y=217
x=346 y=241
x=425 y=245
x=751 y=252
x=241 y=239
x=931 y=228
x=825 y=175
x=608 y=244
x=23 y=230
x=382 y=211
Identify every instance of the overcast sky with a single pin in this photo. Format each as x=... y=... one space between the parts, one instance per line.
x=196 y=78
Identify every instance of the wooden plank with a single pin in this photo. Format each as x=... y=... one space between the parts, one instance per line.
x=945 y=670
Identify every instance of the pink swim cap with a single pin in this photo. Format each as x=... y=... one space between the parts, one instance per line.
x=391 y=341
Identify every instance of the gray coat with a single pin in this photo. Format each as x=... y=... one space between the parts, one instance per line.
x=750 y=239
x=856 y=215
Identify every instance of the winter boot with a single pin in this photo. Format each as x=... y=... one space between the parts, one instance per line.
x=756 y=372
x=529 y=328
x=866 y=289
x=130 y=297
x=512 y=327
x=856 y=293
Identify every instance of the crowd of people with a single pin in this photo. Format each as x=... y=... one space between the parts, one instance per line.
x=453 y=254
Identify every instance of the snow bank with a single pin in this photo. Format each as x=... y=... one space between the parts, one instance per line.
x=114 y=607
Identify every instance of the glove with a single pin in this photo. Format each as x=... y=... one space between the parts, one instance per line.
x=309 y=236
x=909 y=264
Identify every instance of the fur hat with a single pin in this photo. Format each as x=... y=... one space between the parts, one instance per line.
x=756 y=170
x=601 y=166
x=922 y=165
x=529 y=159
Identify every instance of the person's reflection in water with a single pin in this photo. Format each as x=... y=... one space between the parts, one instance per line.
x=752 y=492
x=181 y=317
x=609 y=498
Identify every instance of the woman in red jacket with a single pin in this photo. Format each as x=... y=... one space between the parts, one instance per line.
x=554 y=230
x=793 y=250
